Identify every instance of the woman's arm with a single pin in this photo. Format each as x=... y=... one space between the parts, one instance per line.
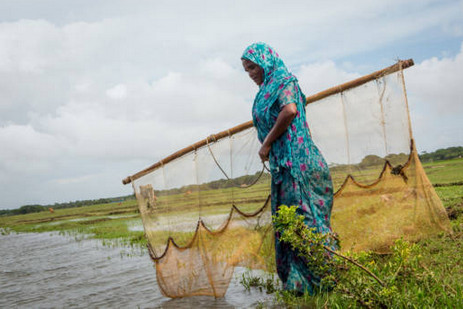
x=285 y=117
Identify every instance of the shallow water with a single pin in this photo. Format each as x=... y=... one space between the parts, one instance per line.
x=47 y=270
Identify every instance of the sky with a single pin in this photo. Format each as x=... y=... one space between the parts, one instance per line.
x=93 y=91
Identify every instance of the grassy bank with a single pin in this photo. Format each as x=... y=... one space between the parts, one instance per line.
x=111 y=222
x=436 y=279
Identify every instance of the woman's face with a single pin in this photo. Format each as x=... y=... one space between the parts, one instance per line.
x=256 y=73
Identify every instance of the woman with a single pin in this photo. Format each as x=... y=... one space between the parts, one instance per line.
x=300 y=175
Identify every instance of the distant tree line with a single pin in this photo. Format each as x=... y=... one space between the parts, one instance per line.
x=38 y=208
x=22 y=210
x=369 y=160
x=216 y=184
x=372 y=160
x=401 y=158
x=442 y=154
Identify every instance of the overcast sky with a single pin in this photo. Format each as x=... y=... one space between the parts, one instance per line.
x=93 y=91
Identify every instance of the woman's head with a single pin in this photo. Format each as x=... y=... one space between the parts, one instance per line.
x=261 y=61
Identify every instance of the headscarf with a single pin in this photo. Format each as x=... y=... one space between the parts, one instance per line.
x=276 y=77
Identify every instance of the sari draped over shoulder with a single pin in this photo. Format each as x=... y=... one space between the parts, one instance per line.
x=300 y=175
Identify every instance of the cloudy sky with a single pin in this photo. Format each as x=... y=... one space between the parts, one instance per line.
x=93 y=91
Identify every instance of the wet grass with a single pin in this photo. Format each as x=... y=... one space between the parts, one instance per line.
x=435 y=282
x=109 y=222
x=438 y=280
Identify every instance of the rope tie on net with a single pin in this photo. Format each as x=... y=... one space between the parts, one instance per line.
x=213 y=139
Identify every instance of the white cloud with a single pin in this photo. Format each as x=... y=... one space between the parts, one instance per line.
x=319 y=76
x=99 y=93
x=76 y=180
x=437 y=82
x=436 y=101
x=117 y=92
x=26 y=150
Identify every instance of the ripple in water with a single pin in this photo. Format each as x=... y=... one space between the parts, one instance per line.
x=50 y=270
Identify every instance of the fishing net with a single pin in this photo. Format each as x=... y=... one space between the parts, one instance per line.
x=206 y=208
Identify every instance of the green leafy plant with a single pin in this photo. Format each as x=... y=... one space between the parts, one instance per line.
x=317 y=248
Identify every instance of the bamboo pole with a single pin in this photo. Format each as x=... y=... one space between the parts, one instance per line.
x=361 y=80
x=401 y=64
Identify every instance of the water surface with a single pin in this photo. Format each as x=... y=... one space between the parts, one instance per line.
x=47 y=270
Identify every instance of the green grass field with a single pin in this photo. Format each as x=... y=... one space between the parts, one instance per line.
x=120 y=223
x=444 y=172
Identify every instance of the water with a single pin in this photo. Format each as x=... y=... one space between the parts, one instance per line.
x=53 y=271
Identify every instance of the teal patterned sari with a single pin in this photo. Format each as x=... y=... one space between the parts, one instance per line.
x=300 y=175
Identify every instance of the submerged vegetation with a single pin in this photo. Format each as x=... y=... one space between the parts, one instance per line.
x=115 y=223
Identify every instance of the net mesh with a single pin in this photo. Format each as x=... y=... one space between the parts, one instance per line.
x=208 y=211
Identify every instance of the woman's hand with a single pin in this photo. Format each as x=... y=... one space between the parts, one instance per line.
x=264 y=152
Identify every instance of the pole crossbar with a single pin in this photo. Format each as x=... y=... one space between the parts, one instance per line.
x=401 y=64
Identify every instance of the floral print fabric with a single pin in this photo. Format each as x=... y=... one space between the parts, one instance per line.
x=300 y=175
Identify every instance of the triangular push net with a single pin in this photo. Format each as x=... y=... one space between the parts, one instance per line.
x=206 y=208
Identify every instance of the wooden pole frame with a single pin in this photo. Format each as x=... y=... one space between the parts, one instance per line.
x=401 y=64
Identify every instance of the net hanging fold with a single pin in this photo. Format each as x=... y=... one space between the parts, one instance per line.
x=206 y=208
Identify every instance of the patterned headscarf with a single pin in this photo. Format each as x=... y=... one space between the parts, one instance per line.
x=276 y=77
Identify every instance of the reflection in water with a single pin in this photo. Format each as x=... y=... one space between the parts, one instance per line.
x=49 y=270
